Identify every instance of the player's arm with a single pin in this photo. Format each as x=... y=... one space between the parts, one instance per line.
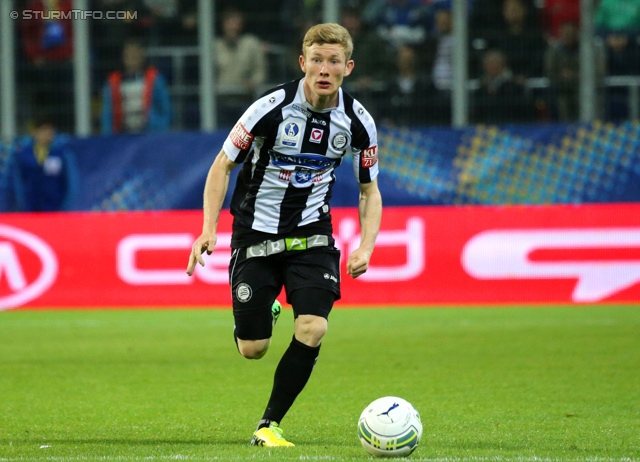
x=215 y=190
x=370 y=212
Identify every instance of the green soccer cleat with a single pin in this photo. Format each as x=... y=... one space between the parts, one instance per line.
x=270 y=437
x=276 y=309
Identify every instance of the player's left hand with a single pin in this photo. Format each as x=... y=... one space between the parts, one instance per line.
x=358 y=262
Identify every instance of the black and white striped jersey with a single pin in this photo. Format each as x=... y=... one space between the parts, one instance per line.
x=289 y=152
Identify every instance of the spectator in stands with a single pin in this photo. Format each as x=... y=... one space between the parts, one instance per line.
x=241 y=67
x=521 y=40
x=295 y=18
x=407 y=102
x=517 y=32
x=617 y=22
x=108 y=37
x=400 y=22
x=500 y=98
x=44 y=170
x=135 y=99
x=619 y=16
x=368 y=80
x=623 y=54
x=47 y=43
x=439 y=60
x=562 y=68
x=165 y=22
x=7 y=199
x=557 y=12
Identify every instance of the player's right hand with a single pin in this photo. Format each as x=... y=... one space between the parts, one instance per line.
x=205 y=243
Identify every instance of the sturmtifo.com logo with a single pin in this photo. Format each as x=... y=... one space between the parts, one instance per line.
x=57 y=15
x=16 y=247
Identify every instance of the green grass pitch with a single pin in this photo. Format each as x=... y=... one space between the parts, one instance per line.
x=492 y=384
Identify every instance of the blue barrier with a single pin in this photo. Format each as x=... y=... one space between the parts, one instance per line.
x=577 y=163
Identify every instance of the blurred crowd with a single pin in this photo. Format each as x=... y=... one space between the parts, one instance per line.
x=403 y=55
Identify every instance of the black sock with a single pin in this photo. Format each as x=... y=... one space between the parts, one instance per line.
x=290 y=378
x=263 y=423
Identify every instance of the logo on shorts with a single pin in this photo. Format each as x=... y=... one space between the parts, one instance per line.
x=329 y=276
x=243 y=293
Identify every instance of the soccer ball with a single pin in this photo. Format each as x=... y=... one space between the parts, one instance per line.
x=390 y=427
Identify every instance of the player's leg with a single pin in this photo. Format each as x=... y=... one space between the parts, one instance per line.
x=312 y=287
x=254 y=285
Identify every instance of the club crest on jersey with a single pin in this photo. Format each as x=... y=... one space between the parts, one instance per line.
x=291 y=134
x=339 y=141
x=369 y=157
x=316 y=135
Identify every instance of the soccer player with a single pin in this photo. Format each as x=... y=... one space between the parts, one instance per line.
x=289 y=141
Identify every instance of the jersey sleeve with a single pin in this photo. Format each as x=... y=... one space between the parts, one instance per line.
x=251 y=124
x=364 y=145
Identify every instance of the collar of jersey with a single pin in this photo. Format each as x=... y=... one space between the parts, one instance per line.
x=308 y=105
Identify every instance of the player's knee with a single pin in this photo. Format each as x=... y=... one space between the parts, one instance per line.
x=310 y=329
x=253 y=349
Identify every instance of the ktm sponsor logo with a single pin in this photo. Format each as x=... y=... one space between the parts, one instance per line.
x=28 y=267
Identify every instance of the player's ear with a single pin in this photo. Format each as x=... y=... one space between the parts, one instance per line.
x=302 y=66
x=350 y=65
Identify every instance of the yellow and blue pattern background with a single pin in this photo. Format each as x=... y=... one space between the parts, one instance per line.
x=597 y=162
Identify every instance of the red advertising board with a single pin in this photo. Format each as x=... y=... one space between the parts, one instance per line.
x=424 y=256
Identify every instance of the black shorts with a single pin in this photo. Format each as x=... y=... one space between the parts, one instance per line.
x=311 y=279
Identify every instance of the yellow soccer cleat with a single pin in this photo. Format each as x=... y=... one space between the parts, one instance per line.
x=270 y=437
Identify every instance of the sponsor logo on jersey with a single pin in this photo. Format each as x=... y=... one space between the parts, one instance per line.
x=369 y=157
x=316 y=135
x=302 y=178
x=291 y=134
x=308 y=161
x=297 y=107
x=339 y=140
x=284 y=175
x=318 y=122
x=240 y=137
x=318 y=177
